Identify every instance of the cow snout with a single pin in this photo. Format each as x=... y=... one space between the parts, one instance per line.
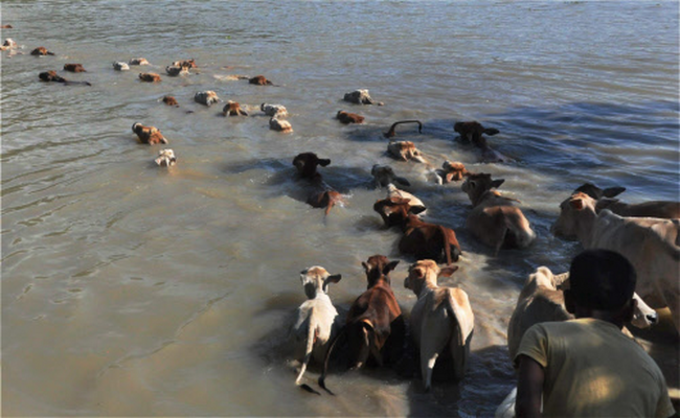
x=652 y=318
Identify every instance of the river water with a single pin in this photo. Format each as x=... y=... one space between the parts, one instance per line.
x=130 y=290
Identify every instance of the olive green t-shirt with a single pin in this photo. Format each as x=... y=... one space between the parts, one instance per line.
x=593 y=369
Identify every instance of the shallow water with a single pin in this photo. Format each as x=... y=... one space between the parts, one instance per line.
x=129 y=290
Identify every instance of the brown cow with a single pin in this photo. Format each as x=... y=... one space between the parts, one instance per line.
x=421 y=239
x=260 y=80
x=232 y=108
x=150 y=77
x=52 y=76
x=347 y=118
x=148 y=134
x=494 y=219
x=442 y=321
x=74 y=68
x=405 y=151
x=170 y=101
x=321 y=195
x=41 y=51
x=374 y=327
x=451 y=171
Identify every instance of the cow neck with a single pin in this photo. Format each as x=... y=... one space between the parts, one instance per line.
x=412 y=221
x=476 y=200
x=586 y=226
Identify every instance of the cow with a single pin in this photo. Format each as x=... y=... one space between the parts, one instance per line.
x=52 y=76
x=170 y=101
x=652 y=245
x=139 y=61
x=441 y=318
x=393 y=191
x=41 y=51
x=9 y=44
x=74 y=68
x=347 y=118
x=472 y=132
x=374 y=327
x=421 y=239
x=384 y=175
x=150 y=77
x=121 y=66
x=185 y=63
x=176 y=70
x=206 y=98
x=280 y=125
x=361 y=97
x=148 y=134
x=233 y=108
x=494 y=219
x=652 y=209
x=166 y=158
x=542 y=300
x=391 y=132
x=317 y=318
x=274 y=109
x=260 y=80
x=320 y=195
x=451 y=171
x=405 y=151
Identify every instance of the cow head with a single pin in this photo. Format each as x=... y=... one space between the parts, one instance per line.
x=384 y=175
x=316 y=279
x=306 y=164
x=395 y=211
x=571 y=219
x=596 y=193
x=477 y=184
x=377 y=267
x=424 y=273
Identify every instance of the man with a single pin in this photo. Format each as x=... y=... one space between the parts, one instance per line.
x=587 y=366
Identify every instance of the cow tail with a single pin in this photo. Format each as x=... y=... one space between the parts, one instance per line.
x=322 y=378
x=311 y=331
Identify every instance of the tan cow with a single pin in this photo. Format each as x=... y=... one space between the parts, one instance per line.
x=233 y=108
x=652 y=245
x=392 y=191
x=542 y=300
x=605 y=200
x=316 y=322
x=494 y=219
x=442 y=317
x=405 y=151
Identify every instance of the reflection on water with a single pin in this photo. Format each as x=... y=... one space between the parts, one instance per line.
x=130 y=290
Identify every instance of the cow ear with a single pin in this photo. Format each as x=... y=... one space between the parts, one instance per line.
x=365 y=266
x=576 y=204
x=390 y=266
x=333 y=279
x=417 y=209
x=613 y=191
x=447 y=271
x=497 y=183
x=323 y=162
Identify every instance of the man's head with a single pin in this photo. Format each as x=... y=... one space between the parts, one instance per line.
x=601 y=280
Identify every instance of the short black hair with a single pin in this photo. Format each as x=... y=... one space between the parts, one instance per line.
x=602 y=279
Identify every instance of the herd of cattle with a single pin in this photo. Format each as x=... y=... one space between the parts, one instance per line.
x=442 y=320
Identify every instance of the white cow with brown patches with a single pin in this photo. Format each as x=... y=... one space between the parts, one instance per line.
x=316 y=317
x=442 y=317
x=405 y=151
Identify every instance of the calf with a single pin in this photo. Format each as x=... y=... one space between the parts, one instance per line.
x=421 y=239
x=274 y=109
x=74 y=68
x=41 y=51
x=280 y=125
x=441 y=318
x=316 y=322
x=384 y=175
x=206 y=98
x=374 y=327
x=232 y=108
x=148 y=134
x=320 y=195
x=9 y=44
x=405 y=151
x=652 y=245
x=260 y=80
x=494 y=219
x=150 y=77
x=391 y=132
x=185 y=63
x=361 y=97
x=347 y=118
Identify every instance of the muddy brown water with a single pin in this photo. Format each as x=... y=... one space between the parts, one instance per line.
x=129 y=290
